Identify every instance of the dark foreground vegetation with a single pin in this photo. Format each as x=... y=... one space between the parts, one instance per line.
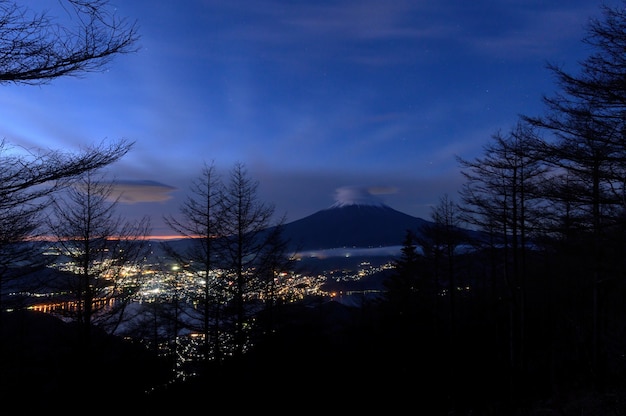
x=415 y=348
x=324 y=355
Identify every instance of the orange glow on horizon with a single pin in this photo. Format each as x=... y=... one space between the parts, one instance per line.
x=148 y=237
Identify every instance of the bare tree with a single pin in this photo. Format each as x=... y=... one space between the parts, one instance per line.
x=245 y=245
x=26 y=181
x=204 y=287
x=103 y=254
x=35 y=49
x=274 y=272
x=230 y=262
x=26 y=178
x=447 y=233
x=503 y=198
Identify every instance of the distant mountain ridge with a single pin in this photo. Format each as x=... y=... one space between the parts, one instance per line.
x=361 y=225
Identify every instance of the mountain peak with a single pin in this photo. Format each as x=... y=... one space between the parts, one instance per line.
x=367 y=203
x=353 y=222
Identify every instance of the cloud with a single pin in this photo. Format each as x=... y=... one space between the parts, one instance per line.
x=132 y=192
x=382 y=190
x=358 y=195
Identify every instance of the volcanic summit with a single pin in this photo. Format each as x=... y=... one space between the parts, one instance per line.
x=357 y=219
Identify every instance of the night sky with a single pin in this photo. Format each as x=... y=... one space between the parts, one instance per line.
x=320 y=100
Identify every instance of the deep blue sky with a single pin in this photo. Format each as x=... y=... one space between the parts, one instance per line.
x=311 y=97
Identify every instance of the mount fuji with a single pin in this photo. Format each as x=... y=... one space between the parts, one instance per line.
x=359 y=223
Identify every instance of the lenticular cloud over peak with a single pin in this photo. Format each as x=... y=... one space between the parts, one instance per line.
x=352 y=195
